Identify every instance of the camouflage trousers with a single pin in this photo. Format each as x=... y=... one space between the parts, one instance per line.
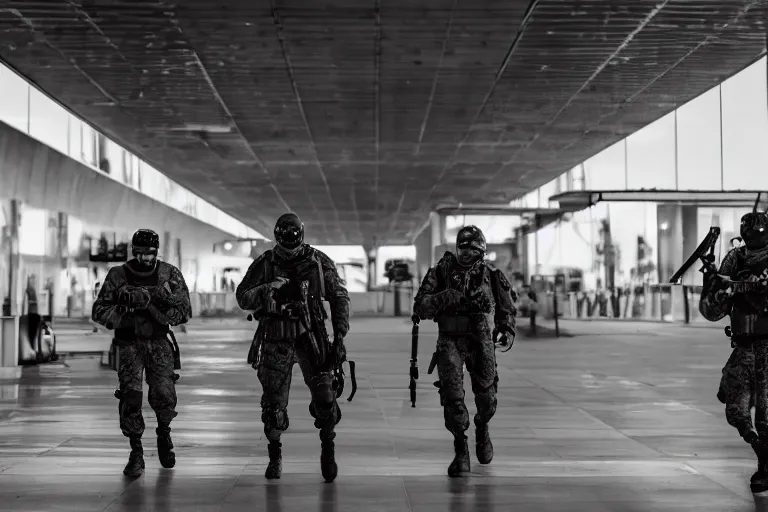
x=745 y=385
x=274 y=371
x=479 y=355
x=154 y=360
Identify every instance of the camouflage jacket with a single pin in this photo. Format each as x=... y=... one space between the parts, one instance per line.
x=740 y=264
x=494 y=295
x=169 y=302
x=254 y=290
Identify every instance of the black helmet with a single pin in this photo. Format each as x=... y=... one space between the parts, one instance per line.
x=754 y=230
x=145 y=239
x=289 y=231
x=471 y=236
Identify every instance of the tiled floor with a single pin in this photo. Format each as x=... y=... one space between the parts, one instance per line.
x=623 y=418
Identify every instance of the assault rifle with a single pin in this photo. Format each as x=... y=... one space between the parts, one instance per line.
x=414 y=358
x=704 y=252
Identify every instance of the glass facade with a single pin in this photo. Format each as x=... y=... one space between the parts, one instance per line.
x=716 y=141
x=28 y=110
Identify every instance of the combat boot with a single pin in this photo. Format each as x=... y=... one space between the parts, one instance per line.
x=759 y=481
x=328 y=465
x=135 y=466
x=460 y=462
x=275 y=466
x=165 y=447
x=483 y=445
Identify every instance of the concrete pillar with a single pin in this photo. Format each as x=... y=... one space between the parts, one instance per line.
x=371 y=253
x=676 y=224
x=9 y=322
x=424 y=248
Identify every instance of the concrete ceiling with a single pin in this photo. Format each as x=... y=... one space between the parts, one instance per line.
x=363 y=116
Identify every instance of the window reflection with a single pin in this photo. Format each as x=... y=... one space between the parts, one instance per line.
x=651 y=156
x=607 y=169
x=745 y=129
x=90 y=149
x=48 y=121
x=698 y=143
x=14 y=100
x=75 y=138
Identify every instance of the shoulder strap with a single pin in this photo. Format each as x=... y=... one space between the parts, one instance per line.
x=127 y=274
x=164 y=272
x=320 y=274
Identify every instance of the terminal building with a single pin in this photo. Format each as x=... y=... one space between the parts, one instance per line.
x=594 y=143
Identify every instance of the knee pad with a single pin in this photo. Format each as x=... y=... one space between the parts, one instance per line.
x=325 y=414
x=274 y=417
x=456 y=416
x=321 y=388
x=130 y=401
x=486 y=404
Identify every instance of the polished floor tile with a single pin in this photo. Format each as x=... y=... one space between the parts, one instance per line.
x=620 y=418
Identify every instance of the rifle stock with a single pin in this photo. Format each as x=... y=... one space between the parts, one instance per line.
x=704 y=252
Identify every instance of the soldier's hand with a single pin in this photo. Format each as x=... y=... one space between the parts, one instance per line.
x=448 y=299
x=504 y=338
x=278 y=283
x=135 y=297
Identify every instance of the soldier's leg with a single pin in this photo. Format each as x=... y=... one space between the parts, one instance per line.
x=759 y=482
x=129 y=374
x=481 y=364
x=161 y=381
x=451 y=353
x=325 y=409
x=274 y=373
x=736 y=391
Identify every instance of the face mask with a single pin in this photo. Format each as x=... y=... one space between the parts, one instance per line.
x=145 y=262
x=468 y=256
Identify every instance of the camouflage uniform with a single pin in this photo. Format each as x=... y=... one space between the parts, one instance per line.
x=163 y=299
x=465 y=337
x=281 y=341
x=745 y=376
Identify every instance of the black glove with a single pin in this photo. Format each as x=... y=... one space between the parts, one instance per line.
x=507 y=338
x=479 y=302
x=134 y=297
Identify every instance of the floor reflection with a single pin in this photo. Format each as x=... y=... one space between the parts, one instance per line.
x=274 y=497
x=163 y=493
x=328 y=498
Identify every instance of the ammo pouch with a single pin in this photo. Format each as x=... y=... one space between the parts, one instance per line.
x=113 y=356
x=454 y=325
x=278 y=329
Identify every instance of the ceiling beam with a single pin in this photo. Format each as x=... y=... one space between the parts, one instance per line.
x=627 y=40
x=499 y=74
x=279 y=28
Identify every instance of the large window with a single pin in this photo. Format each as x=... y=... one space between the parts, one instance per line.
x=745 y=129
x=14 y=100
x=651 y=156
x=607 y=169
x=75 y=138
x=698 y=143
x=48 y=121
x=90 y=155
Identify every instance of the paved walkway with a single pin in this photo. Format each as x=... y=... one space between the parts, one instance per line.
x=617 y=417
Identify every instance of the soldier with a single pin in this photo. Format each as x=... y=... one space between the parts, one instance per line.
x=140 y=300
x=745 y=376
x=284 y=287
x=463 y=294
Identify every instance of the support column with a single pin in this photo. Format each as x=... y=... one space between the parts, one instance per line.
x=677 y=223
x=9 y=321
